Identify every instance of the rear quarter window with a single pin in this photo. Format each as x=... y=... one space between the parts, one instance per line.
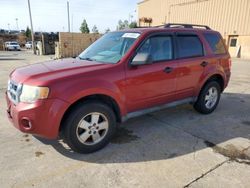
x=215 y=42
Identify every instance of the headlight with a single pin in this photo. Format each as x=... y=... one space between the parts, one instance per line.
x=30 y=94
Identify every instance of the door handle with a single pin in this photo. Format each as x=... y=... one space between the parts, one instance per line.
x=168 y=69
x=204 y=64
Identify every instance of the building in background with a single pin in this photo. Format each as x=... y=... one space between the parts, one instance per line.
x=230 y=17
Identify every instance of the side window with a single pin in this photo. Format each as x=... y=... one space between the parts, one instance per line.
x=189 y=46
x=215 y=42
x=160 y=48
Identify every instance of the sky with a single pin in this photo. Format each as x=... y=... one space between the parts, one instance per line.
x=51 y=15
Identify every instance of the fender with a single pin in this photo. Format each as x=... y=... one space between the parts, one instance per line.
x=208 y=73
x=77 y=90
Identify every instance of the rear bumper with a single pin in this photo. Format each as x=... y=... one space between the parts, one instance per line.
x=41 y=118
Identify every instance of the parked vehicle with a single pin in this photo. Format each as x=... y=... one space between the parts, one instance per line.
x=122 y=75
x=28 y=45
x=12 y=46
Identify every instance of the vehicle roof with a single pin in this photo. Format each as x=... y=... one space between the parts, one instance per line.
x=173 y=29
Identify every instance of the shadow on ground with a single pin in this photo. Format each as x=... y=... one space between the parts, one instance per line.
x=10 y=59
x=173 y=132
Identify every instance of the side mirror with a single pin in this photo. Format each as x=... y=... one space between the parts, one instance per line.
x=141 y=59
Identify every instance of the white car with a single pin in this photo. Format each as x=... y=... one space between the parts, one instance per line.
x=28 y=45
x=12 y=46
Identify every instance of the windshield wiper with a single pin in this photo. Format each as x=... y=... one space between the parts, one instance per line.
x=86 y=58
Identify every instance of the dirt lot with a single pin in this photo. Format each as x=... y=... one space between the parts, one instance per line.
x=176 y=147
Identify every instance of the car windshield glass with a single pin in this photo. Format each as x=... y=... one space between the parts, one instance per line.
x=13 y=43
x=110 y=48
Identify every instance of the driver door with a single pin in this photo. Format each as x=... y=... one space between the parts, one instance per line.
x=148 y=85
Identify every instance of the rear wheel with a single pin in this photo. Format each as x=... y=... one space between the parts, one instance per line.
x=209 y=98
x=89 y=127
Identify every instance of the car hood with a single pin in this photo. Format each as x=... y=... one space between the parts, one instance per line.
x=47 y=71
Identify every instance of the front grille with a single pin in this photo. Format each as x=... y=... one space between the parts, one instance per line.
x=14 y=91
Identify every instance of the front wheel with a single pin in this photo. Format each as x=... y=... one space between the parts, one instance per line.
x=89 y=127
x=209 y=98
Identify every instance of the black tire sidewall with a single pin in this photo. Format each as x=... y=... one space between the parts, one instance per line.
x=200 y=103
x=71 y=123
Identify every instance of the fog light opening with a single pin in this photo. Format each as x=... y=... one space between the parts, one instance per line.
x=26 y=123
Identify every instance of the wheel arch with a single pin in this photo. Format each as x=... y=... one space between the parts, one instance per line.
x=215 y=77
x=109 y=101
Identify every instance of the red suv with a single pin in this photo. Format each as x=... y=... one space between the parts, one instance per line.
x=122 y=75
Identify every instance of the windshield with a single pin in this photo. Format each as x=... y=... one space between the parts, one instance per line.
x=13 y=43
x=110 y=48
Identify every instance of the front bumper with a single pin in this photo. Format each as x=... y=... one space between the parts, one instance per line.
x=14 y=48
x=41 y=118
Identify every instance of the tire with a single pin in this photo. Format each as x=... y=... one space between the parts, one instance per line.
x=207 y=102
x=83 y=129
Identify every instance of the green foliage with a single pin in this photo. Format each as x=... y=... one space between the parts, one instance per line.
x=133 y=25
x=28 y=32
x=84 y=27
x=107 y=30
x=122 y=25
x=94 y=29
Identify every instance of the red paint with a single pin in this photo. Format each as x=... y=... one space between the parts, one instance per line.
x=133 y=88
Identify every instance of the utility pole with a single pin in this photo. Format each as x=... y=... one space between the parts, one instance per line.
x=17 y=24
x=68 y=16
x=32 y=31
x=72 y=17
x=9 y=27
x=131 y=16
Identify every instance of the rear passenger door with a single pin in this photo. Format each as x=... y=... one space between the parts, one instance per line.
x=191 y=63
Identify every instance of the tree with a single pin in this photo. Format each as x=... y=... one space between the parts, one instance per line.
x=122 y=24
x=107 y=30
x=94 y=29
x=84 y=27
x=28 y=32
x=133 y=25
x=126 y=24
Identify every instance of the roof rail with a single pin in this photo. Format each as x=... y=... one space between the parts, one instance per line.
x=171 y=25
